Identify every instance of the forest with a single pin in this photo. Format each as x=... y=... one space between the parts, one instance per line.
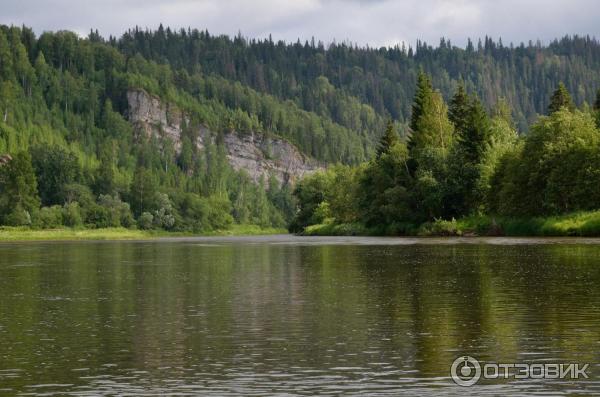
x=461 y=162
x=399 y=156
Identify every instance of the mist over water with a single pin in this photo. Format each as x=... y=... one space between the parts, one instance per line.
x=286 y=315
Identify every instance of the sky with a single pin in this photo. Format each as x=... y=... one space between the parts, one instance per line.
x=373 y=22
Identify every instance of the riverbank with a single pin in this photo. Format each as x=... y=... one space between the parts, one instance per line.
x=583 y=224
x=66 y=234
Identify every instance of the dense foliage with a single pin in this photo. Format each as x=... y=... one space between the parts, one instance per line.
x=382 y=78
x=461 y=162
x=70 y=156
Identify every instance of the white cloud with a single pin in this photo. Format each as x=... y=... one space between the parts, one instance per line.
x=374 y=22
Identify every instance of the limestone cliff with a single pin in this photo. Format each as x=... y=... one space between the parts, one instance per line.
x=258 y=154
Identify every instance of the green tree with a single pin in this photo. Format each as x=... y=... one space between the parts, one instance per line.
x=104 y=181
x=423 y=94
x=18 y=190
x=459 y=109
x=143 y=191
x=55 y=167
x=560 y=98
x=474 y=137
x=463 y=190
x=388 y=139
x=384 y=198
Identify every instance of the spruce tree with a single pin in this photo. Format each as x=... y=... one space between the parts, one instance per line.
x=560 y=99
x=473 y=138
x=459 y=109
x=423 y=92
x=389 y=139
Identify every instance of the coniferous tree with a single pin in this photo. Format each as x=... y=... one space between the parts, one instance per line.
x=560 y=98
x=474 y=137
x=464 y=164
x=459 y=109
x=389 y=139
x=422 y=95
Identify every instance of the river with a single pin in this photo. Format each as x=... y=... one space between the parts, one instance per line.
x=284 y=315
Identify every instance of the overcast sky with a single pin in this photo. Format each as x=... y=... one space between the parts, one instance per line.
x=373 y=22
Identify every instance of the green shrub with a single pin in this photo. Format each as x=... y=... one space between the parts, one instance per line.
x=50 y=217
x=145 y=221
x=71 y=214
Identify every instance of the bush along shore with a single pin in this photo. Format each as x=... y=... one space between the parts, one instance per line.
x=466 y=171
x=580 y=224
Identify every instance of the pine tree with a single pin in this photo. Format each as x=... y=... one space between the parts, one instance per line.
x=474 y=137
x=560 y=98
x=389 y=139
x=422 y=94
x=459 y=108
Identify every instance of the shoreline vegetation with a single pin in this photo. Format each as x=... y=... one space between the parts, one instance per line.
x=18 y=234
x=466 y=171
x=75 y=164
x=579 y=224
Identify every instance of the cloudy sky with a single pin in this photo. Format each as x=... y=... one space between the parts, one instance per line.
x=373 y=22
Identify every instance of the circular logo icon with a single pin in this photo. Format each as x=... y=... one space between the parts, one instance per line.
x=465 y=371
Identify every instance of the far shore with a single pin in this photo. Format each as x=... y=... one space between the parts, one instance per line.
x=16 y=234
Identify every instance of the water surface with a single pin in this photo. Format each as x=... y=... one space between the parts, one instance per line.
x=294 y=316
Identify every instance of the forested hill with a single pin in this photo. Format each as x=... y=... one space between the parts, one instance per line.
x=72 y=153
x=334 y=79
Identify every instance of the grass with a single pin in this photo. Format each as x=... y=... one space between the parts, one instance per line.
x=68 y=234
x=583 y=224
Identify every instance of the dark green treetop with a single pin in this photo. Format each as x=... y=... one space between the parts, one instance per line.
x=388 y=140
x=459 y=108
x=560 y=98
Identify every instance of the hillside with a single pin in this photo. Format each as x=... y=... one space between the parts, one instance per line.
x=335 y=79
x=188 y=131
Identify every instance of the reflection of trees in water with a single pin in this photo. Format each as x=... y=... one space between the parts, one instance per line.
x=155 y=305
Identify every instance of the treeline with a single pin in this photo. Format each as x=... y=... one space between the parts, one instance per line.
x=382 y=78
x=461 y=161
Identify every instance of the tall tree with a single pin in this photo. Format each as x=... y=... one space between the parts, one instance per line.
x=18 y=190
x=560 y=99
x=474 y=137
x=389 y=139
x=54 y=167
x=433 y=129
x=459 y=109
x=143 y=191
x=423 y=94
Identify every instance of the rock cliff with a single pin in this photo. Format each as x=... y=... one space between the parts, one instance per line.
x=257 y=154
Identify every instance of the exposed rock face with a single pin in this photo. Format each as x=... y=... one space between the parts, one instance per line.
x=257 y=154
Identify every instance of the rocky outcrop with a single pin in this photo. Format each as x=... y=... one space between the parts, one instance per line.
x=258 y=154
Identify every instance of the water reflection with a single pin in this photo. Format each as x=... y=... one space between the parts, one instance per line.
x=255 y=319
